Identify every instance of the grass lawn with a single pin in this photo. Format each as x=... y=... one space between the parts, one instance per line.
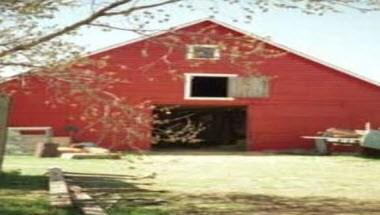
x=205 y=183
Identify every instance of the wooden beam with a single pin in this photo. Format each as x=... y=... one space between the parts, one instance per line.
x=58 y=189
x=335 y=139
x=85 y=202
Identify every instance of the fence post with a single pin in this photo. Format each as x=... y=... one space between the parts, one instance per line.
x=4 y=108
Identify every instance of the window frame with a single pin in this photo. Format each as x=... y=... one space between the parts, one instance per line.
x=190 y=51
x=188 y=84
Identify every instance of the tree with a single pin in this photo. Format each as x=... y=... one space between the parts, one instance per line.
x=31 y=44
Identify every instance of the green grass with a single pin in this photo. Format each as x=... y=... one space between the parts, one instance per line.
x=26 y=195
x=209 y=183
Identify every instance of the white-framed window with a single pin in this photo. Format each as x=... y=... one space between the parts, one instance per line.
x=206 y=86
x=203 y=52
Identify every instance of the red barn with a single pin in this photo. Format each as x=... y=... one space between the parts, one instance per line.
x=268 y=108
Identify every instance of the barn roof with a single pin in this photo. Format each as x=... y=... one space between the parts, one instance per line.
x=266 y=40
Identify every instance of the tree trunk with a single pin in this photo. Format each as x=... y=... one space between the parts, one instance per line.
x=4 y=107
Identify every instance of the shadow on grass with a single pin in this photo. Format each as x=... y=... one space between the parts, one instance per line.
x=14 y=180
x=266 y=204
x=247 y=204
x=95 y=181
x=129 y=195
x=32 y=207
x=230 y=153
x=109 y=190
x=26 y=195
x=370 y=154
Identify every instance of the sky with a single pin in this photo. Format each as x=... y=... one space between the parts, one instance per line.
x=350 y=39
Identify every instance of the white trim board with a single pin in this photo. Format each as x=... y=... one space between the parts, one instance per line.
x=142 y=38
x=187 y=86
x=223 y=24
x=190 y=52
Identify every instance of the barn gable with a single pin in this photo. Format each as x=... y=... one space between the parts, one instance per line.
x=209 y=21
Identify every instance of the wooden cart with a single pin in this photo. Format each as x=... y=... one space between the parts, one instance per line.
x=366 y=138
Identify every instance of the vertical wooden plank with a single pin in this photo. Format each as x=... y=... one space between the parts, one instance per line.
x=58 y=189
x=248 y=87
x=322 y=147
x=232 y=88
x=4 y=108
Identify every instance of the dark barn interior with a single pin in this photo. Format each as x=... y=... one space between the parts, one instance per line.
x=209 y=87
x=206 y=128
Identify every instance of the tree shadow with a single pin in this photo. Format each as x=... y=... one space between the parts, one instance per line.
x=306 y=205
x=247 y=204
x=230 y=153
x=125 y=194
x=186 y=152
x=27 y=195
x=108 y=190
x=14 y=180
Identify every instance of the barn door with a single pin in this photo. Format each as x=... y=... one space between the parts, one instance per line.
x=248 y=87
x=4 y=107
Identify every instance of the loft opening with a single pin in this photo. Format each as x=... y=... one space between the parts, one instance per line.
x=207 y=86
x=212 y=86
x=199 y=127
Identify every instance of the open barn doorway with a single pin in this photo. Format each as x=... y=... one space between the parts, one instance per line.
x=199 y=127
